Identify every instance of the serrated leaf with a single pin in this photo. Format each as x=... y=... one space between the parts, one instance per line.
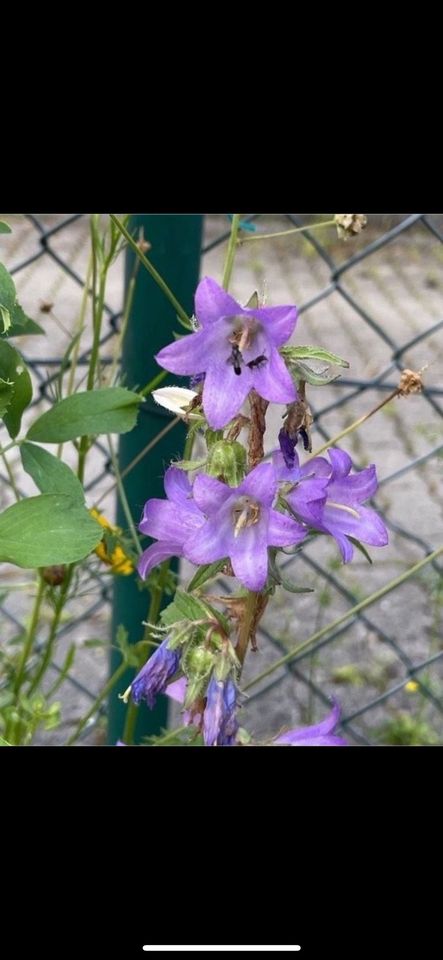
x=313 y=353
x=205 y=573
x=47 y=530
x=4 y=227
x=49 y=473
x=21 y=324
x=13 y=372
x=360 y=547
x=18 y=323
x=108 y=410
x=301 y=371
x=187 y=607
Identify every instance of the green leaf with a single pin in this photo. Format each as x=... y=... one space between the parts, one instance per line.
x=49 y=474
x=302 y=371
x=360 y=547
x=4 y=228
x=109 y=410
x=4 y=743
x=47 y=530
x=6 y=394
x=205 y=573
x=22 y=324
x=14 y=373
x=281 y=580
x=187 y=607
x=313 y=353
x=15 y=321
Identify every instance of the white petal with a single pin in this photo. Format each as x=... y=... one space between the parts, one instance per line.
x=175 y=399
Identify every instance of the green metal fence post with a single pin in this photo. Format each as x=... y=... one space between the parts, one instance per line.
x=175 y=252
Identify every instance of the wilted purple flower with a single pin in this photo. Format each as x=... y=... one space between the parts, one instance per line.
x=153 y=677
x=340 y=513
x=170 y=521
x=219 y=722
x=319 y=735
x=236 y=349
x=241 y=525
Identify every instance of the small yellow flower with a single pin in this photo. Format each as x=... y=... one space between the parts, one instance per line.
x=118 y=560
x=412 y=686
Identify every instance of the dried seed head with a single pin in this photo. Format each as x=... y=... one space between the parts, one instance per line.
x=349 y=224
x=410 y=382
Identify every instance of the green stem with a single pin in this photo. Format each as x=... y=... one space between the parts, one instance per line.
x=30 y=636
x=59 y=606
x=230 y=254
x=79 y=327
x=286 y=233
x=352 y=427
x=10 y=475
x=151 y=269
x=392 y=585
x=102 y=696
x=124 y=323
x=171 y=735
x=123 y=497
x=153 y=613
x=155 y=382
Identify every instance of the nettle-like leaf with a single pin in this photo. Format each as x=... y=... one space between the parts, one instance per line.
x=302 y=362
x=13 y=320
x=15 y=387
x=108 y=410
x=187 y=607
x=49 y=473
x=205 y=573
x=47 y=530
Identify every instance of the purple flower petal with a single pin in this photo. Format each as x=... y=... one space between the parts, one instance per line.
x=155 y=554
x=287 y=447
x=212 y=303
x=177 y=689
x=320 y=734
x=318 y=467
x=367 y=526
x=283 y=531
x=279 y=322
x=153 y=677
x=219 y=723
x=224 y=391
x=189 y=355
x=177 y=486
x=212 y=541
x=210 y=494
x=162 y=520
x=249 y=555
x=341 y=463
x=273 y=380
x=354 y=488
x=260 y=483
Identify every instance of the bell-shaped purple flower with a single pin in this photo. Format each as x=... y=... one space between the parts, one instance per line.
x=237 y=349
x=241 y=524
x=341 y=513
x=170 y=521
x=319 y=735
x=153 y=678
x=219 y=721
x=311 y=481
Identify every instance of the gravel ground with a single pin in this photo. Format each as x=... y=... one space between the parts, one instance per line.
x=400 y=287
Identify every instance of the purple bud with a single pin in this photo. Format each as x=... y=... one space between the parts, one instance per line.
x=287 y=447
x=154 y=676
x=219 y=721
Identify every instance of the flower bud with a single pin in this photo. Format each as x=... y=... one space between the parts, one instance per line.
x=227 y=461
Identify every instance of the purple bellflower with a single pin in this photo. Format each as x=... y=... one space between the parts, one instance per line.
x=241 y=525
x=219 y=722
x=319 y=735
x=340 y=513
x=154 y=676
x=170 y=521
x=237 y=349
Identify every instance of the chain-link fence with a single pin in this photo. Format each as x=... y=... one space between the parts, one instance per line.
x=377 y=301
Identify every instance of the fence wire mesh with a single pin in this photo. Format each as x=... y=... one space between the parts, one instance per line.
x=376 y=301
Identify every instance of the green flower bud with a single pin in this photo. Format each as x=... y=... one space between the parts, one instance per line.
x=227 y=461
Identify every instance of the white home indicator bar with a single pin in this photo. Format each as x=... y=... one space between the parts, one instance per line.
x=202 y=949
